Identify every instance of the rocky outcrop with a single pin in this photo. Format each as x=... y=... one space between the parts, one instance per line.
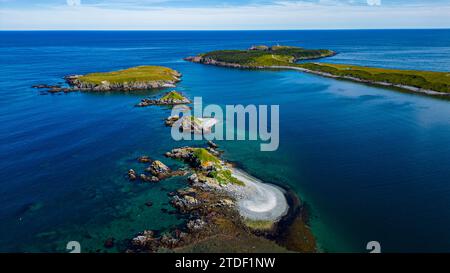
x=185 y=203
x=158 y=169
x=170 y=98
x=144 y=159
x=210 y=61
x=155 y=172
x=196 y=225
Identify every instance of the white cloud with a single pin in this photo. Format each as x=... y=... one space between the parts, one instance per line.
x=374 y=2
x=73 y=3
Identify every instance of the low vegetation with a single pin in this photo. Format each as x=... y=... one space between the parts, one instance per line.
x=134 y=74
x=222 y=175
x=267 y=56
x=429 y=80
x=172 y=95
x=287 y=56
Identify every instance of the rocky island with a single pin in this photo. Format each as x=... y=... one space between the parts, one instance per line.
x=134 y=78
x=170 y=98
x=229 y=211
x=260 y=56
x=286 y=57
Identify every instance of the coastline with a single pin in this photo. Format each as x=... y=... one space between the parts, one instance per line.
x=253 y=215
x=409 y=88
x=383 y=84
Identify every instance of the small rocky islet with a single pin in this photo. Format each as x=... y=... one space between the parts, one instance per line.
x=170 y=98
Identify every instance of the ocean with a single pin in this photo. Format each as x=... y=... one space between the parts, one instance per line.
x=372 y=164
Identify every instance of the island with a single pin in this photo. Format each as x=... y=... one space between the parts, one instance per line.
x=260 y=56
x=170 y=98
x=227 y=210
x=192 y=124
x=287 y=57
x=134 y=78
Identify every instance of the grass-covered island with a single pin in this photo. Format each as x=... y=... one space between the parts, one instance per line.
x=260 y=56
x=134 y=78
x=286 y=57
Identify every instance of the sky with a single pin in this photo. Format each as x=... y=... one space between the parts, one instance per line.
x=222 y=15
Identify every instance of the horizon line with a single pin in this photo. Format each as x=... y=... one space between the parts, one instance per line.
x=309 y=29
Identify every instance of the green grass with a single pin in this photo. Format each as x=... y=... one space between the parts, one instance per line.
x=436 y=81
x=134 y=74
x=224 y=177
x=277 y=55
x=172 y=95
x=288 y=55
x=204 y=156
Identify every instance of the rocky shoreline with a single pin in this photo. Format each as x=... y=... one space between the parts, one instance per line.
x=170 y=98
x=131 y=79
x=214 y=222
x=77 y=84
x=209 y=61
x=384 y=84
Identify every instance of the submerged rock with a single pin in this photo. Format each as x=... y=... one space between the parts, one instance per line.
x=132 y=174
x=147 y=178
x=109 y=243
x=144 y=159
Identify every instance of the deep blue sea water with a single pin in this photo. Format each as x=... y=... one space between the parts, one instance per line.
x=372 y=163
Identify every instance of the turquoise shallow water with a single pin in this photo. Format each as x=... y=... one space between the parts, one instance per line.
x=371 y=163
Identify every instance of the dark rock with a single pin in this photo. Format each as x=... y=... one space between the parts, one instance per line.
x=149 y=203
x=144 y=241
x=146 y=178
x=132 y=174
x=40 y=86
x=109 y=243
x=144 y=159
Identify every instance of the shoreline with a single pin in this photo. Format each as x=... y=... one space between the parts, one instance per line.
x=383 y=84
x=246 y=215
x=408 y=88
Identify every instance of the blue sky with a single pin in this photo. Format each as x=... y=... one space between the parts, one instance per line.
x=228 y=14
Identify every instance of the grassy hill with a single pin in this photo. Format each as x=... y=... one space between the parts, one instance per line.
x=134 y=74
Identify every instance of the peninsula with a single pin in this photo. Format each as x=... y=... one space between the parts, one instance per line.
x=228 y=211
x=287 y=57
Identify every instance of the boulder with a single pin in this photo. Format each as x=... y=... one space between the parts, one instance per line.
x=158 y=169
x=196 y=225
x=132 y=174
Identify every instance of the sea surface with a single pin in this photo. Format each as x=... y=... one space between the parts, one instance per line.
x=373 y=164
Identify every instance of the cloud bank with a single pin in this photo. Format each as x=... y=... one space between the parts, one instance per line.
x=323 y=14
